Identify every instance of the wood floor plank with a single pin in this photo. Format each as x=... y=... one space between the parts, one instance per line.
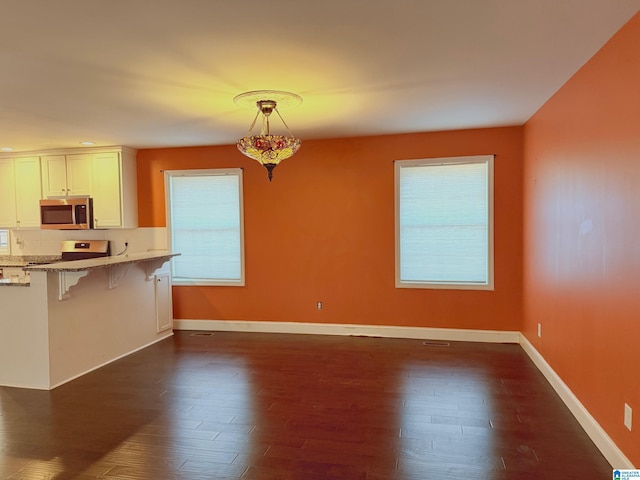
x=238 y=406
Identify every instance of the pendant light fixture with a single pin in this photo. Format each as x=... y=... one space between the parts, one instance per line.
x=268 y=149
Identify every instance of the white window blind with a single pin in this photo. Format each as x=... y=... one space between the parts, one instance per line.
x=205 y=226
x=444 y=232
x=4 y=242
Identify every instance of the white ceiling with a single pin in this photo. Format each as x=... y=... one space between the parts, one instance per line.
x=155 y=73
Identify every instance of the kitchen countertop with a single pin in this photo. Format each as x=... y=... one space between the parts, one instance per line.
x=24 y=260
x=20 y=262
x=41 y=263
x=13 y=263
x=15 y=282
x=101 y=262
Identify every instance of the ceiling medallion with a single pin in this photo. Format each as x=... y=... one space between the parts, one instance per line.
x=266 y=148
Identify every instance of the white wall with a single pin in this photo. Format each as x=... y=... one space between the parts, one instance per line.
x=24 y=335
x=47 y=242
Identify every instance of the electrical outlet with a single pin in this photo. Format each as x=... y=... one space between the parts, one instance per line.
x=319 y=305
x=627 y=416
x=539 y=330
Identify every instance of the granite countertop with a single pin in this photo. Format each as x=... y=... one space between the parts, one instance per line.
x=13 y=263
x=14 y=282
x=102 y=262
x=24 y=260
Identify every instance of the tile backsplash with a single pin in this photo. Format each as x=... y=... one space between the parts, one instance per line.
x=47 y=242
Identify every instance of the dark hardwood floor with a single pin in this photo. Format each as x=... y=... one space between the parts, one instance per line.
x=262 y=406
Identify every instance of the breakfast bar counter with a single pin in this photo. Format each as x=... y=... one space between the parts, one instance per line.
x=76 y=316
x=102 y=262
x=70 y=272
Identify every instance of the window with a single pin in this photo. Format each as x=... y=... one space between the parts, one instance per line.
x=4 y=242
x=444 y=223
x=205 y=224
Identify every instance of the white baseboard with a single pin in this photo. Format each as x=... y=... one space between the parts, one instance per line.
x=597 y=434
x=448 y=334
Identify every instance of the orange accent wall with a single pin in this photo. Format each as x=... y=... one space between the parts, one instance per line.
x=582 y=234
x=324 y=230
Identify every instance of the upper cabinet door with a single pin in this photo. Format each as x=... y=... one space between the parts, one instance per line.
x=54 y=175
x=107 y=193
x=28 y=191
x=66 y=175
x=7 y=193
x=79 y=174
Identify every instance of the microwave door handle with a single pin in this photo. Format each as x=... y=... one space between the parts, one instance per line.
x=77 y=214
x=80 y=214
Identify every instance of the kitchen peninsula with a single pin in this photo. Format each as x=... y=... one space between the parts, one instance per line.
x=75 y=316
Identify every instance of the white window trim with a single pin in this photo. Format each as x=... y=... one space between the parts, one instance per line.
x=489 y=285
x=205 y=172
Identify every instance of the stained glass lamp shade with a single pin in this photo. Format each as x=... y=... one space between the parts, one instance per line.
x=266 y=148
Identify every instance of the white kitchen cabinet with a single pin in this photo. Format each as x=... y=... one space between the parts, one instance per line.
x=66 y=175
x=107 y=174
x=164 y=304
x=106 y=190
x=20 y=192
x=28 y=192
x=114 y=189
x=54 y=175
x=7 y=193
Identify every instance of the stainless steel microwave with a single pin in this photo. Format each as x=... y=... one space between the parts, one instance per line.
x=72 y=213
